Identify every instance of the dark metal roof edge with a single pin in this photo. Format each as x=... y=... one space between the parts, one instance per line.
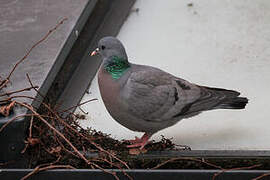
x=239 y=154
x=140 y=170
x=135 y=174
x=86 y=70
x=69 y=42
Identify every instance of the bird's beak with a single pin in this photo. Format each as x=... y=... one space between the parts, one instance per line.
x=95 y=52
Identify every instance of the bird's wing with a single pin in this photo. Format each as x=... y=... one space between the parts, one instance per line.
x=154 y=95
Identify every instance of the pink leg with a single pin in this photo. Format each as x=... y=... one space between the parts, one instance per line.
x=140 y=142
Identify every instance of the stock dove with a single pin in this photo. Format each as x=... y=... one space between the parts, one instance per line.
x=147 y=99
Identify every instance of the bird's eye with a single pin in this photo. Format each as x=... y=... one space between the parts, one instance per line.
x=102 y=47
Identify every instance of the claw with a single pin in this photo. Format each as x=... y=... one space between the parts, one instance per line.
x=141 y=145
x=139 y=142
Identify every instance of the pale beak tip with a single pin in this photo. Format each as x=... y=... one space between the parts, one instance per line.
x=93 y=53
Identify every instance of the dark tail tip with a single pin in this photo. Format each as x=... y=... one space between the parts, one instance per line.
x=233 y=103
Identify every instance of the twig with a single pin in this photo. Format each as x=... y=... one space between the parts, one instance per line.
x=4 y=110
x=55 y=130
x=93 y=143
x=61 y=144
x=107 y=171
x=30 y=127
x=4 y=83
x=184 y=158
x=30 y=134
x=34 y=87
x=112 y=164
x=70 y=127
x=80 y=108
x=38 y=169
x=261 y=176
x=13 y=119
x=239 y=168
x=79 y=105
x=13 y=92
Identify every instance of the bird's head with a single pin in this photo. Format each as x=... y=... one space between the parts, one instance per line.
x=110 y=47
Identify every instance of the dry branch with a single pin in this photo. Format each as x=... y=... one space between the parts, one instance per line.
x=55 y=130
x=21 y=90
x=190 y=159
x=233 y=169
x=261 y=176
x=39 y=169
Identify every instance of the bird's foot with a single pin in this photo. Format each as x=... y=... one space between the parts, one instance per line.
x=141 y=145
x=139 y=142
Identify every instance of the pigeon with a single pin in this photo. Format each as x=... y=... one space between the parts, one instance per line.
x=147 y=99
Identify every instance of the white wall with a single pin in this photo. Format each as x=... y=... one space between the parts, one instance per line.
x=219 y=43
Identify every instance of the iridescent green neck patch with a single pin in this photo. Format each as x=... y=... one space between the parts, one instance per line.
x=116 y=67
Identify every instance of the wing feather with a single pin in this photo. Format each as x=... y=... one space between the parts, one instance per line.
x=154 y=95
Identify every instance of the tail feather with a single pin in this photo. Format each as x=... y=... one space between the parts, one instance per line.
x=231 y=99
x=233 y=103
x=226 y=92
x=214 y=98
